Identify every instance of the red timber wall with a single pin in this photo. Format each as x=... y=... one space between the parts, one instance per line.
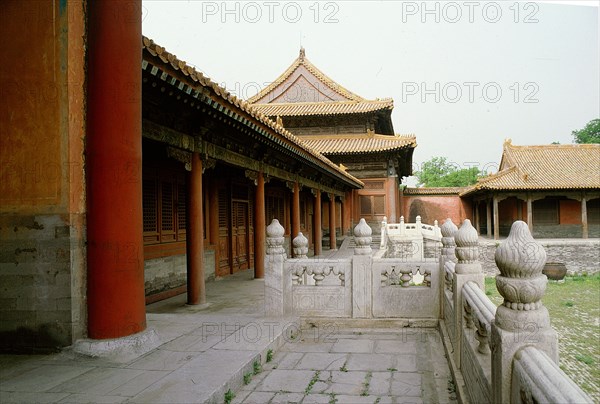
x=42 y=185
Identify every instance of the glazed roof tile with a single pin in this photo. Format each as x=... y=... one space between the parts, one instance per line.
x=200 y=79
x=544 y=167
x=354 y=144
x=324 y=108
x=434 y=190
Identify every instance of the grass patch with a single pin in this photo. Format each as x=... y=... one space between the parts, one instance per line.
x=269 y=355
x=343 y=368
x=256 y=368
x=587 y=359
x=312 y=382
x=575 y=315
x=332 y=399
x=247 y=378
x=392 y=369
x=229 y=395
x=366 y=384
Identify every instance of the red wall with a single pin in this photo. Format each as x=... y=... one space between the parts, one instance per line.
x=436 y=207
x=569 y=211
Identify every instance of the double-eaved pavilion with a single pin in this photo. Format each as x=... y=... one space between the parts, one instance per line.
x=554 y=188
x=351 y=131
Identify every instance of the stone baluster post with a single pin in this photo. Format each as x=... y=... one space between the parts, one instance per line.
x=383 y=233
x=448 y=230
x=402 y=226
x=362 y=265
x=278 y=283
x=468 y=268
x=300 y=245
x=522 y=319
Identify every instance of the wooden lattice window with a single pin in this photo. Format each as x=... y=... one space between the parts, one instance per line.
x=164 y=206
x=379 y=205
x=365 y=205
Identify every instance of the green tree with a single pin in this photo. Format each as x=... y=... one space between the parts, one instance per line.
x=589 y=134
x=439 y=172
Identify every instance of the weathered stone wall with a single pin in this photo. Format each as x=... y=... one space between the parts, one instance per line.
x=564 y=231
x=579 y=255
x=165 y=273
x=41 y=298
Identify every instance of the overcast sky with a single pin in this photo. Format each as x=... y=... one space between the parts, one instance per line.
x=464 y=75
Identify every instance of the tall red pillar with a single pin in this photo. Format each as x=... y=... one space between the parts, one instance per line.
x=196 y=292
x=318 y=224
x=260 y=227
x=296 y=211
x=332 y=238
x=115 y=258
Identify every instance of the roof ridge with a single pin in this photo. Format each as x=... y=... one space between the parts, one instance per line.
x=349 y=102
x=301 y=60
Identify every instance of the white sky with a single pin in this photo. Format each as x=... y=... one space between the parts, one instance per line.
x=544 y=58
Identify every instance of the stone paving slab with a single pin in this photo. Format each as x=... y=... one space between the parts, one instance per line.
x=378 y=366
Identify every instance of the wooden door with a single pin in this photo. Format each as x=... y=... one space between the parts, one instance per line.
x=240 y=235
x=224 y=264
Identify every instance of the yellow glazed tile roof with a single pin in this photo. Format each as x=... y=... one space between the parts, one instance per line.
x=148 y=45
x=324 y=108
x=544 y=167
x=354 y=144
x=350 y=102
x=434 y=191
x=323 y=78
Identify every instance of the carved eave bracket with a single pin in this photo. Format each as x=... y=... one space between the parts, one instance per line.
x=252 y=176
x=182 y=156
x=208 y=164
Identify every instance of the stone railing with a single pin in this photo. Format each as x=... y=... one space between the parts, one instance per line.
x=537 y=379
x=505 y=354
x=509 y=353
x=361 y=286
x=411 y=241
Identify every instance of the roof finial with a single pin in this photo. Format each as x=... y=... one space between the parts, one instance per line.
x=302 y=53
x=508 y=142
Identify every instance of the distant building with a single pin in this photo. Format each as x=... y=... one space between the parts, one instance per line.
x=353 y=132
x=554 y=188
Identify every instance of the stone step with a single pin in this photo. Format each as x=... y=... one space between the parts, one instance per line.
x=208 y=377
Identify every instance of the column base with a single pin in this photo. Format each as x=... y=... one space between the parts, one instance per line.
x=119 y=349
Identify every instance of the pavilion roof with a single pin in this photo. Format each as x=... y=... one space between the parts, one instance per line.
x=302 y=89
x=544 y=167
x=359 y=144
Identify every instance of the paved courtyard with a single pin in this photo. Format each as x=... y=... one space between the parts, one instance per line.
x=207 y=351
x=325 y=364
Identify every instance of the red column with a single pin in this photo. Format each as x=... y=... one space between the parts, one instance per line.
x=196 y=292
x=296 y=211
x=332 y=239
x=318 y=224
x=260 y=227
x=115 y=256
